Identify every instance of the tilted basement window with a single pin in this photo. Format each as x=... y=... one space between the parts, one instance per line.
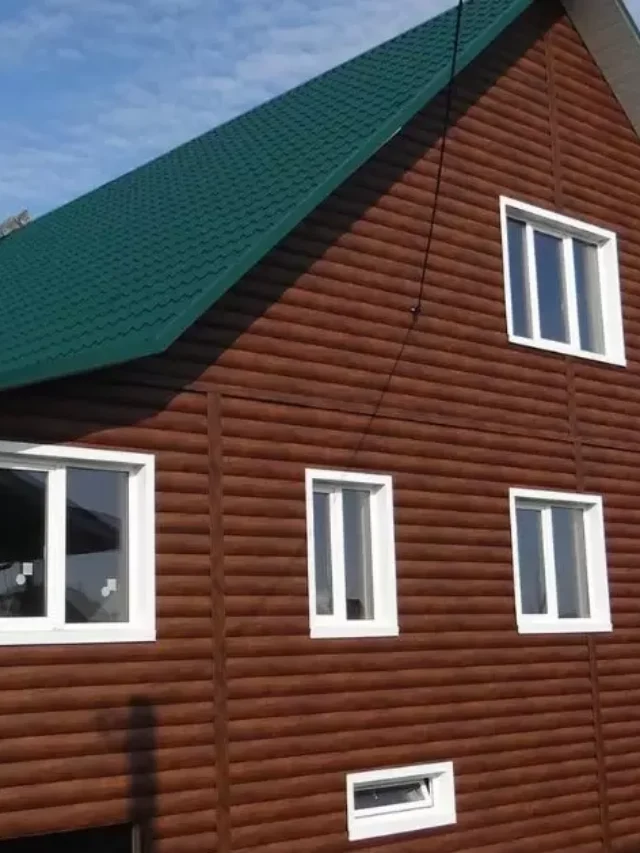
x=562 y=284
x=559 y=562
x=351 y=554
x=402 y=799
x=77 y=558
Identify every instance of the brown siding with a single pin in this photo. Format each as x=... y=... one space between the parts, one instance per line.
x=93 y=735
x=541 y=729
x=292 y=369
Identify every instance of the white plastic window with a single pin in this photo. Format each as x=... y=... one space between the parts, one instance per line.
x=562 y=283
x=76 y=545
x=559 y=561
x=351 y=554
x=401 y=799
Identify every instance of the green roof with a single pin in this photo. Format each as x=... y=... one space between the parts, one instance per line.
x=121 y=272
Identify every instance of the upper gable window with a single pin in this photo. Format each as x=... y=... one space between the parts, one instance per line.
x=76 y=545
x=562 y=284
x=351 y=554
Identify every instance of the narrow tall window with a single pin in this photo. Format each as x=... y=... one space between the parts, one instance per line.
x=352 y=584
x=562 y=284
x=76 y=545
x=559 y=559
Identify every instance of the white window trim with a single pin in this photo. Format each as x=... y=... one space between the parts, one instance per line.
x=439 y=810
x=385 y=623
x=566 y=227
x=51 y=629
x=596 y=558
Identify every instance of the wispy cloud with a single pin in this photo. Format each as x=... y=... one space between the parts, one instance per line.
x=110 y=83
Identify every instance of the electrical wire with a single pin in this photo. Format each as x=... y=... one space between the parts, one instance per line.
x=416 y=310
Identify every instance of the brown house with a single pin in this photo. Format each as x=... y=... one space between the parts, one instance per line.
x=320 y=466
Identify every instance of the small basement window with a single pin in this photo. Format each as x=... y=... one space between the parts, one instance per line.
x=559 y=562
x=351 y=554
x=405 y=799
x=76 y=545
x=562 y=284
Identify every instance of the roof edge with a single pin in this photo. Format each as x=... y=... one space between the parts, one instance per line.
x=390 y=128
x=612 y=37
x=77 y=364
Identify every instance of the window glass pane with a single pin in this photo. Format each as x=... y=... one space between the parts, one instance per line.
x=571 y=562
x=389 y=795
x=97 y=588
x=322 y=555
x=516 y=237
x=357 y=553
x=551 y=289
x=22 y=539
x=531 y=561
x=588 y=294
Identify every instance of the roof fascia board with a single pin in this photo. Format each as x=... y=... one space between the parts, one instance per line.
x=612 y=37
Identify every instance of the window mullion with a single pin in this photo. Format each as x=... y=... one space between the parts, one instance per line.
x=337 y=556
x=569 y=279
x=549 y=563
x=532 y=283
x=56 y=546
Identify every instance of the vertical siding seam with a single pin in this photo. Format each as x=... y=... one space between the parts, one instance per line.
x=218 y=617
x=574 y=427
x=556 y=159
x=603 y=794
x=558 y=196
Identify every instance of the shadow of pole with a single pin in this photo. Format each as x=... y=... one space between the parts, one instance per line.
x=141 y=757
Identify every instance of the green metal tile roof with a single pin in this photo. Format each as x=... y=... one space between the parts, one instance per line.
x=121 y=272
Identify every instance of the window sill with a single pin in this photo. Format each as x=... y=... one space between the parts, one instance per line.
x=76 y=635
x=347 y=630
x=565 y=626
x=564 y=349
x=360 y=829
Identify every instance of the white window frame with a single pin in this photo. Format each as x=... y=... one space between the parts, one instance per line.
x=596 y=562
x=383 y=560
x=566 y=228
x=140 y=537
x=438 y=810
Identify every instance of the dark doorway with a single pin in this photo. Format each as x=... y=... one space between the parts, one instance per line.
x=106 y=839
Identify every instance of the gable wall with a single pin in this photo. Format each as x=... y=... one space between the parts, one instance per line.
x=288 y=371
x=543 y=737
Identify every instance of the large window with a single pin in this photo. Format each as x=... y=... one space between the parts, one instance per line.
x=559 y=560
x=351 y=553
x=562 y=283
x=76 y=545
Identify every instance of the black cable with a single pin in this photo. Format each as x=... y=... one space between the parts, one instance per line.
x=417 y=308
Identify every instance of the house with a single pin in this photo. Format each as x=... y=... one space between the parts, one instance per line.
x=320 y=466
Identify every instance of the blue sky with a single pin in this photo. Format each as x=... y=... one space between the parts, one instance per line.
x=92 y=88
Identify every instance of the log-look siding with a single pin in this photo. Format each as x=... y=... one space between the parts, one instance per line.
x=286 y=372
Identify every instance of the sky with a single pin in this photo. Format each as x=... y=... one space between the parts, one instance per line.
x=93 y=88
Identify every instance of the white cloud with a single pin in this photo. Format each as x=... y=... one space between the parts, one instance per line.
x=153 y=73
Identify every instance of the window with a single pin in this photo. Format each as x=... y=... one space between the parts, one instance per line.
x=351 y=555
x=562 y=284
x=404 y=799
x=76 y=545
x=559 y=560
